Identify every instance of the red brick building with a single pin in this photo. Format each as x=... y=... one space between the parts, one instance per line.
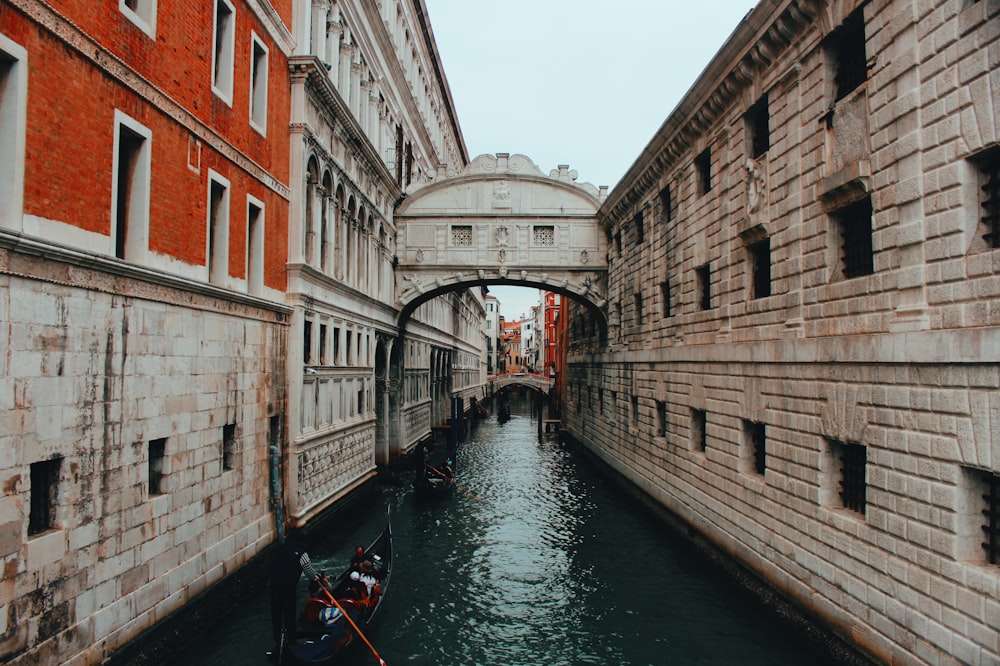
x=143 y=239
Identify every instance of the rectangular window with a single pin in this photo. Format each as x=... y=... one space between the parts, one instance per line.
x=760 y=265
x=258 y=85
x=758 y=128
x=255 y=246
x=217 y=251
x=130 y=190
x=703 y=169
x=157 y=449
x=988 y=166
x=854 y=222
x=13 y=124
x=307 y=331
x=640 y=233
x=228 y=446
x=461 y=235
x=704 y=286
x=852 y=461
x=666 y=204
x=600 y=401
x=44 y=493
x=618 y=243
x=350 y=348
x=543 y=236
x=638 y=309
x=336 y=345
x=665 y=289
x=990 y=513
x=661 y=418
x=224 y=40
x=322 y=344
x=635 y=410
x=755 y=435
x=845 y=47
x=699 y=429
x=142 y=13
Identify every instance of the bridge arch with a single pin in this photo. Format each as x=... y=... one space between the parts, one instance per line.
x=501 y=221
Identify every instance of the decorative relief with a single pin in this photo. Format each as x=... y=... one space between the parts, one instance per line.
x=419 y=256
x=502 y=255
x=501 y=194
x=503 y=236
x=756 y=186
x=584 y=256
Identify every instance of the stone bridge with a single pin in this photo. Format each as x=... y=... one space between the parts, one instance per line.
x=501 y=221
x=530 y=380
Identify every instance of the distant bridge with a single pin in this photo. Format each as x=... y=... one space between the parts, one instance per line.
x=539 y=383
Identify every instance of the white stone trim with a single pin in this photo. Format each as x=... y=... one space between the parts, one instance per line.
x=144 y=16
x=137 y=236
x=13 y=122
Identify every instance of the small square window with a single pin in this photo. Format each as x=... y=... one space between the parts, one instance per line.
x=855 y=225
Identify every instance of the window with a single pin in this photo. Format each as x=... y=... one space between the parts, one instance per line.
x=618 y=243
x=543 y=236
x=666 y=204
x=218 y=228
x=350 y=348
x=307 y=331
x=855 y=225
x=635 y=410
x=13 y=122
x=640 y=234
x=989 y=487
x=44 y=493
x=461 y=235
x=600 y=401
x=255 y=246
x=142 y=13
x=703 y=169
x=754 y=436
x=157 y=449
x=852 y=462
x=699 y=429
x=258 y=85
x=130 y=191
x=760 y=266
x=661 y=418
x=665 y=289
x=989 y=199
x=336 y=345
x=704 y=286
x=638 y=309
x=758 y=128
x=845 y=48
x=228 y=446
x=322 y=344
x=224 y=41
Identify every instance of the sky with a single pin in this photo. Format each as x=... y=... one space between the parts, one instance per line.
x=576 y=82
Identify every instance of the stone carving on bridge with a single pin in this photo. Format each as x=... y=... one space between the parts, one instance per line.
x=501 y=194
x=584 y=256
x=502 y=236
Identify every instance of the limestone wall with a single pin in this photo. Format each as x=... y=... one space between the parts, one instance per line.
x=740 y=410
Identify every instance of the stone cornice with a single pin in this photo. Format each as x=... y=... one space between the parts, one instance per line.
x=119 y=71
x=763 y=35
x=106 y=275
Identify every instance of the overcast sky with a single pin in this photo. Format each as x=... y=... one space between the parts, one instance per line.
x=576 y=82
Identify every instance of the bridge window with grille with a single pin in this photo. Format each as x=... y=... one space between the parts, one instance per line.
x=543 y=236
x=755 y=445
x=851 y=462
x=758 y=128
x=845 y=49
x=854 y=227
x=760 y=267
x=44 y=495
x=461 y=235
x=988 y=167
x=699 y=429
x=703 y=171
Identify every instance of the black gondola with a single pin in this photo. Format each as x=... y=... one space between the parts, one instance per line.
x=322 y=634
x=503 y=413
x=435 y=481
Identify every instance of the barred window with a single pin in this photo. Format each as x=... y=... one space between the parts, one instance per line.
x=756 y=445
x=44 y=492
x=758 y=127
x=846 y=49
x=704 y=286
x=544 y=236
x=703 y=168
x=855 y=224
x=853 y=473
x=991 y=517
x=989 y=179
x=760 y=264
x=461 y=235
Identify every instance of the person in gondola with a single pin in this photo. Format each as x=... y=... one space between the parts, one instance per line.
x=285 y=571
x=447 y=470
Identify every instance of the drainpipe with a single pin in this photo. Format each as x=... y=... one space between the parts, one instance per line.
x=279 y=513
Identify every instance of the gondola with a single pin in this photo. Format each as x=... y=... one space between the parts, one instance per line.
x=322 y=633
x=503 y=414
x=435 y=481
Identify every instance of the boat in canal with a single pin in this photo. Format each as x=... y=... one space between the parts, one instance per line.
x=435 y=481
x=338 y=612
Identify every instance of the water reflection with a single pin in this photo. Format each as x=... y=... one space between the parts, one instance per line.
x=537 y=561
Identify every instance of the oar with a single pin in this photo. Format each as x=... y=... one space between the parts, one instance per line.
x=307 y=567
x=452 y=480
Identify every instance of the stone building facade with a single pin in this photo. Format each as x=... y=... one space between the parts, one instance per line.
x=142 y=280
x=371 y=114
x=802 y=353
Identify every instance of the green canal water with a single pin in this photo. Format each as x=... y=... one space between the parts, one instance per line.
x=539 y=559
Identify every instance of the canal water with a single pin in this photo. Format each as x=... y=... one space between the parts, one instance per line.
x=538 y=559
